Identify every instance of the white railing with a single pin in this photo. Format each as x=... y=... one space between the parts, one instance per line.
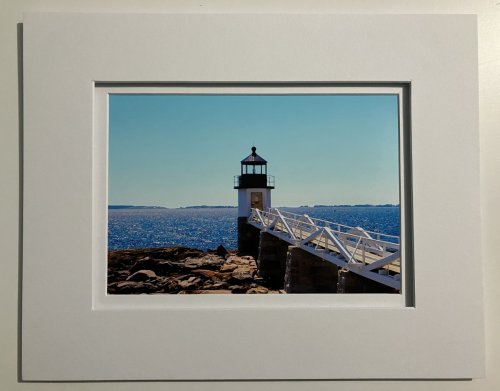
x=336 y=226
x=374 y=255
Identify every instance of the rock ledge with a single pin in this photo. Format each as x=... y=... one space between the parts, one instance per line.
x=182 y=270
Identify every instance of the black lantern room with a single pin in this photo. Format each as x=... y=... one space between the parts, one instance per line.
x=254 y=173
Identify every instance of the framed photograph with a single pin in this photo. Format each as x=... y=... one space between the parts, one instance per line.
x=171 y=145
x=261 y=183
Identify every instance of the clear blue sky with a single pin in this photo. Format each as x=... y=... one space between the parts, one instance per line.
x=180 y=150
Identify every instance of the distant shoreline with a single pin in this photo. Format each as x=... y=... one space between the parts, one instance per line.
x=134 y=207
x=234 y=207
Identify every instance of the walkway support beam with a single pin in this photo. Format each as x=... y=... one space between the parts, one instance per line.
x=271 y=262
x=306 y=273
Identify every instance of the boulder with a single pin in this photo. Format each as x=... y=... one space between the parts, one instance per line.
x=170 y=285
x=127 y=287
x=142 y=275
x=222 y=277
x=189 y=254
x=205 y=272
x=159 y=266
x=241 y=260
x=242 y=273
x=130 y=284
x=258 y=289
x=189 y=284
x=228 y=267
x=221 y=251
x=238 y=288
x=208 y=260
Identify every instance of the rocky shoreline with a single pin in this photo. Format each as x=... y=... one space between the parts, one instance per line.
x=182 y=270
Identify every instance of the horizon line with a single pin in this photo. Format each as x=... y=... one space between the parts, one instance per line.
x=235 y=206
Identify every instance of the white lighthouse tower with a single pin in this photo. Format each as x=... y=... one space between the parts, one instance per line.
x=254 y=192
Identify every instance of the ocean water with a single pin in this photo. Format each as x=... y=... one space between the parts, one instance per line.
x=206 y=228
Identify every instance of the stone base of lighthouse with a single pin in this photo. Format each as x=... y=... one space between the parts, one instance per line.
x=248 y=238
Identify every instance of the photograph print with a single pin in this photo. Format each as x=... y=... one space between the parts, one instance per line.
x=254 y=193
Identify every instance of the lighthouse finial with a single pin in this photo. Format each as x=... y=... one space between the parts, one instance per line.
x=253 y=150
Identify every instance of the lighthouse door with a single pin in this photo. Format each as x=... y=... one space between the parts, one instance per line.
x=256 y=200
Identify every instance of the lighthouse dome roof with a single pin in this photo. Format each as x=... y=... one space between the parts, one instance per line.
x=254 y=159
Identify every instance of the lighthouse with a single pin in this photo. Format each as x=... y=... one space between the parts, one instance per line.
x=254 y=187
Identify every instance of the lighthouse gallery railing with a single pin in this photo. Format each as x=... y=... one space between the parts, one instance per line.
x=270 y=181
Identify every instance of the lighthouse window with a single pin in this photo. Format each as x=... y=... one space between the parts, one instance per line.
x=194 y=206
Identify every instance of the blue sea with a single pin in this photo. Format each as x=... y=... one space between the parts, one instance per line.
x=207 y=228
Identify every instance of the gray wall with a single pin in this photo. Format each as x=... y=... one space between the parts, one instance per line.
x=488 y=11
